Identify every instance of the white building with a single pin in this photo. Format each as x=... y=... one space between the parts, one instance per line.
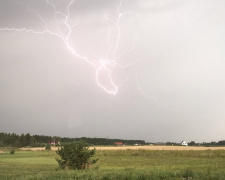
x=184 y=143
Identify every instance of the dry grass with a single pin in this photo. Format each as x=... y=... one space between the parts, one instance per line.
x=195 y=148
x=35 y=149
x=160 y=148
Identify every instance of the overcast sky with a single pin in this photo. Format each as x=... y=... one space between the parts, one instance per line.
x=163 y=60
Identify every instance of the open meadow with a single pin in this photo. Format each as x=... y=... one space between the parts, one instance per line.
x=194 y=148
x=121 y=164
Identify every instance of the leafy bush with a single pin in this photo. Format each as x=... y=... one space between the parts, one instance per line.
x=75 y=155
x=12 y=151
x=48 y=146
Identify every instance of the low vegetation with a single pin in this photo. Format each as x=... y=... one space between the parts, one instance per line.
x=75 y=155
x=12 y=151
x=117 y=164
x=48 y=147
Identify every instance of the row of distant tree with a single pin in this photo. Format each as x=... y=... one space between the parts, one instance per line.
x=193 y=143
x=15 y=140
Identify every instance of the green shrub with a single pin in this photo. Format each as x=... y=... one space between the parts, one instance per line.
x=75 y=156
x=12 y=151
x=48 y=146
x=188 y=173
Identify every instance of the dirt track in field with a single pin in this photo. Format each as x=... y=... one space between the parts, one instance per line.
x=140 y=147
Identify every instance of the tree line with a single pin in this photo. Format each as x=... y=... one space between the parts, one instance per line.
x=15 y=140
x=193 y=143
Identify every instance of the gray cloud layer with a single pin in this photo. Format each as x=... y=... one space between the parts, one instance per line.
x=175 y=91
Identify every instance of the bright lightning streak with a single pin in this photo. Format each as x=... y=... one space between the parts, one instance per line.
x=101 y=66
x=160 y=104
x=144 y=94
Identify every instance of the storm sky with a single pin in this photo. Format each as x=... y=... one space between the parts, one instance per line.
x=169 y=70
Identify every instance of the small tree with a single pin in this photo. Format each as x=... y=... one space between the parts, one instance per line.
x=48 y=147
x=192 y=143
x=12 y=151
x=75 y=155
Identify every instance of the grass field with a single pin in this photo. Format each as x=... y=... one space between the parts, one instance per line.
x=118 y=164
x=194 y=148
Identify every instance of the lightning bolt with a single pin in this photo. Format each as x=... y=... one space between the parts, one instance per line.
x=144 y=94
x=103 y=67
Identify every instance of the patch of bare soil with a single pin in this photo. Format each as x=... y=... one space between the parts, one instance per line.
x=1 y=152
x=37 y=149
x=33 y=149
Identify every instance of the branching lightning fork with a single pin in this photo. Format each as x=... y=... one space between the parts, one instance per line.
x=101 y=66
